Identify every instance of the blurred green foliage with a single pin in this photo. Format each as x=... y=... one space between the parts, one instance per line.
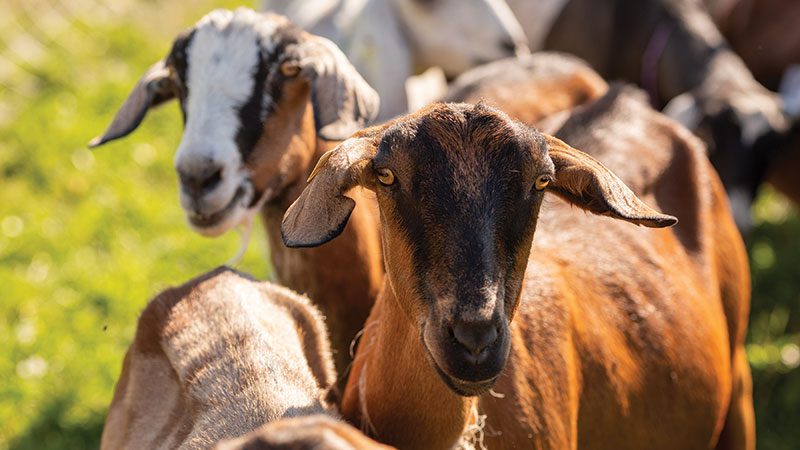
x=774 y=335
x=86 y=238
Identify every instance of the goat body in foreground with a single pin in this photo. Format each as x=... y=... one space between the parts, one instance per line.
x=262 y=100
x=596 y=334
x=316 y=432
x=216 y=358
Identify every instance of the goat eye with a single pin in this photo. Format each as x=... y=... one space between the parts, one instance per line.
x=541 y=182
x=290 y=69
x=386 y=177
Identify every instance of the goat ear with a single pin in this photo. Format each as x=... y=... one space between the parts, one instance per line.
x=588 y=184
x=322 y=210
x=155 y=87
x=343 y=102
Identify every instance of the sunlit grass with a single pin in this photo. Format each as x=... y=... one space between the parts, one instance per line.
x=86 y=238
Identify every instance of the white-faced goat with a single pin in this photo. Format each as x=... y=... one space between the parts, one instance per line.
x=262 y=100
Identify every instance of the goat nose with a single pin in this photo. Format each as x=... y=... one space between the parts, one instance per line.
x=198 y=183
x=475 y=336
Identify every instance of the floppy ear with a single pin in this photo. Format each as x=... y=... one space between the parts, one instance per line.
x=322 y=210
x=154 y=88
x=586 y=183
x=343 y=102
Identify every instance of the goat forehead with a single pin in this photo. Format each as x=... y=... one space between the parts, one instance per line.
x=460 y=150
x=224 y=52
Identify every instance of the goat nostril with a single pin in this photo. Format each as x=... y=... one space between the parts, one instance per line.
x=211 y=182
x=475 y=337
x=184 y=178
x=198 y=184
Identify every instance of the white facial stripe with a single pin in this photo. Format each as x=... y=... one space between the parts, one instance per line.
x=222 y=58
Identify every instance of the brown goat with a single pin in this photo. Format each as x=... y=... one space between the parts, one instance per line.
x=216 y=358
x=262 y=100
x=602 y=335
x=317 y=432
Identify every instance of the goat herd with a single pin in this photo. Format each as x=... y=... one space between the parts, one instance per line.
x=434 y=318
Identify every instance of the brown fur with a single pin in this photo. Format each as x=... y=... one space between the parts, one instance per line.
x=531 y=87
x=318 y=432
x=761 y=32
x=342 y=278
x=622 y=337
x=215 y=358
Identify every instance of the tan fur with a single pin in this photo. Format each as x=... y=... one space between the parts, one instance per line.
x=215 y=358
x=317 y=432
x=622 y=337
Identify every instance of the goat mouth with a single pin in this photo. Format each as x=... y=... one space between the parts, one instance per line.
x=201 y=220
x=461 y=387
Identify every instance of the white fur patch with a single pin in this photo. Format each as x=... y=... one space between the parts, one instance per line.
x=457 y=35
x=684 y=109
x=425 y=88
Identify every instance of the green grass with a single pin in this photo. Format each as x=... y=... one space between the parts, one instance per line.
x=86 y=238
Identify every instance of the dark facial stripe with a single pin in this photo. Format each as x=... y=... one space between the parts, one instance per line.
x=457 y=233
x=268 y=81
x=250 y=113
x=178 y=60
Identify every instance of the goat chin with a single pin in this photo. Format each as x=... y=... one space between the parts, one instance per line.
x=246 y=226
